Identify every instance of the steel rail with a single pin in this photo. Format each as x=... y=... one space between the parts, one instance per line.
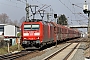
x=12 y=56
x=70 y=52
x=60 y=50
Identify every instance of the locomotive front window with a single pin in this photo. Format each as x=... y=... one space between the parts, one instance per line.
x=35 y=26
x=31 y=27
x=27 y=27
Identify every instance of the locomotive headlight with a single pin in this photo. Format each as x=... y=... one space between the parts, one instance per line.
x=26 y=34
x=38 y=38
x=36 y=34
x=25 y=38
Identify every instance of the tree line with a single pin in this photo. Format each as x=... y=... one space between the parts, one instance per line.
x=5 y=19
x=62 y=20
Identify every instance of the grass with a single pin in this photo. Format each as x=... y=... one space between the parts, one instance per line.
x=4 y=50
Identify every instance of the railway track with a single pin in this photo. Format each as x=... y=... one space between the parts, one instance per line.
x=77 y=40
x=62 y=54
x=13 y=56
x=24 y=53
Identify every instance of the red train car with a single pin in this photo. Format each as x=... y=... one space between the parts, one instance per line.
x=36 y=34
x=63 y=33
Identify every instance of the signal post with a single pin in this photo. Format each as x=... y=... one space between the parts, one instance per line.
x=88 y=30
x=55 y=28
x=86 y=11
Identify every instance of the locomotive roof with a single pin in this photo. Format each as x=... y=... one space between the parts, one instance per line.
x=36 y=20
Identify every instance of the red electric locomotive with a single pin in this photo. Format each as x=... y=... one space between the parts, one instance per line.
x=39 y=33
x=36 y=34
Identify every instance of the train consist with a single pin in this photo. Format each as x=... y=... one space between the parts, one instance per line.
x=38 y=33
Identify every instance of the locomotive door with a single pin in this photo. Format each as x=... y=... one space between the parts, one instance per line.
x=55 y=33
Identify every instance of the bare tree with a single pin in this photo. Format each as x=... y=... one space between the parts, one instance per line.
x=22 y=20
x=10 y=22
x=15 y=22
x=4 y=18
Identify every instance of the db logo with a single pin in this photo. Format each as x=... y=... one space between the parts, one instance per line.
x=31 y=34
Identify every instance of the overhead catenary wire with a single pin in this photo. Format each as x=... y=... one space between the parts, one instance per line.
x=73 y=7
x=77 y=6
x=66 y=6
x=70 y=9
x=81 y=19
x=20 y=7
x=81 y=8
x=80 y=14
x=43 y=6
x=83 y=16
x=74 y=12
x=70 y=1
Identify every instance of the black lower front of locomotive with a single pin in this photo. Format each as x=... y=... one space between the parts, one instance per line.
x=31 y=44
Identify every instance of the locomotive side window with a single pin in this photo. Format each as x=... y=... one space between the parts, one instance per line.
x=27 y=27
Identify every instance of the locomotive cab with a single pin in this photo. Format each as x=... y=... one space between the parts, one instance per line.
x=31 y=34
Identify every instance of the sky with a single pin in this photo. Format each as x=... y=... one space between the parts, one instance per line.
x=74 y=13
